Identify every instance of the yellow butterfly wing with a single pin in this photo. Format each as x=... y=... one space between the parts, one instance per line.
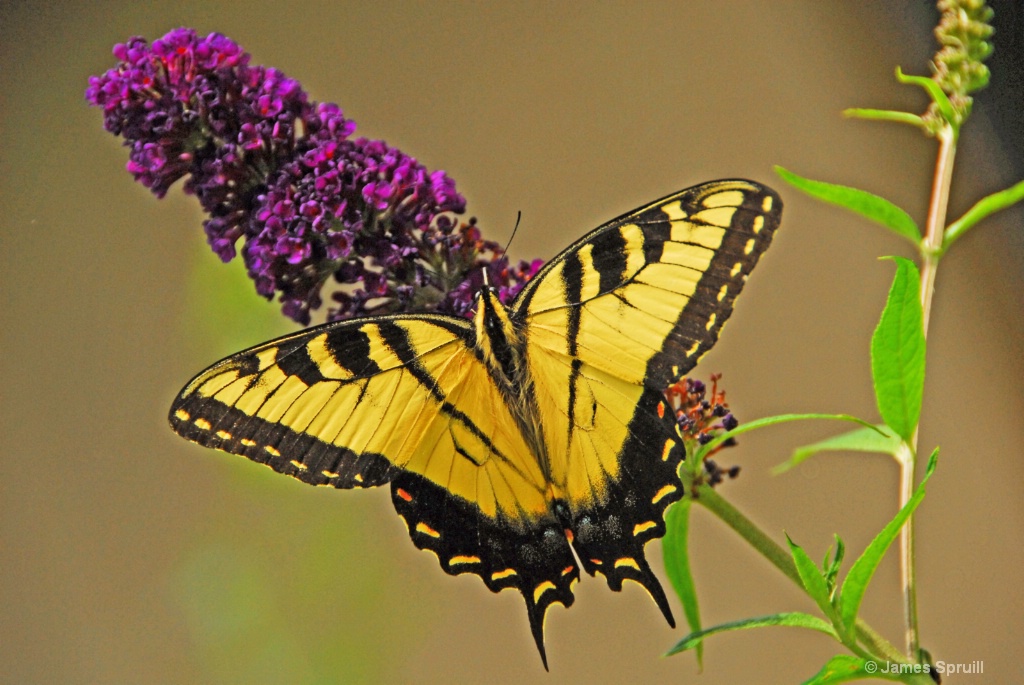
x=610 y=322
x=404 y=400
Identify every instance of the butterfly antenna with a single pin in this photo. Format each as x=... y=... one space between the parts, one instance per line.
x=519 y=215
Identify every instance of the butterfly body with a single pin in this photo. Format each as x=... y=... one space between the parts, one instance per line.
x=535 y=438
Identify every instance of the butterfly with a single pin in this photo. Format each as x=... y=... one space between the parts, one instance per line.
x=534 y=438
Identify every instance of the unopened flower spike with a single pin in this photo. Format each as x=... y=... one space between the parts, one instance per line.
x=958 y=67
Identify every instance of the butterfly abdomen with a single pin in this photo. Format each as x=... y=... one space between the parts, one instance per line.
x=501 y=345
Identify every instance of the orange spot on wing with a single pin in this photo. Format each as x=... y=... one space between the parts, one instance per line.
x=568 y=535
x=403 y=494
x=661 y=410
x=664 y=492
x=427 y=530
x=567 y=571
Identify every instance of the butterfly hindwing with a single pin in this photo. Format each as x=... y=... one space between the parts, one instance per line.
x=612 y=525
x=534 y=559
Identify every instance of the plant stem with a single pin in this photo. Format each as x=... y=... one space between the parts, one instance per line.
x=907 y=461
x=931 y=243
x=780 y=558
x=748 y=530
x=931 y=246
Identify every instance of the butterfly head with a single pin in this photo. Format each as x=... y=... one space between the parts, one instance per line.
x=491 y=313
x=497 y=337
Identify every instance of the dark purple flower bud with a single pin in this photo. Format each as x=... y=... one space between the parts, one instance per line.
x=729 y=422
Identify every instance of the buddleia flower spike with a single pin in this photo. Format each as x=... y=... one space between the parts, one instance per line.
x=282 y=176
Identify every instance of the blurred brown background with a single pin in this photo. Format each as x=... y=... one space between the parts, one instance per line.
x=130 y=556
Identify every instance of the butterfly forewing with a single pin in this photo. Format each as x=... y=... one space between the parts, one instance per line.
x=645 y=295
x=405 y=390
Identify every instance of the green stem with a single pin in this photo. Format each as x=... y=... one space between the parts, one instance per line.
x=783 y=561
x=748 y=530
x=931 y=247
x=906 y=460
x=931 y=244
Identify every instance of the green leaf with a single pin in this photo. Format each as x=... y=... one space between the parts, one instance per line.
x=898 y=352
x=984 y=207
x=873 y=439
x=857 y=580
x=832 y=567
x=794 y=619
x=844 y=668
x=868 y=205
x=675 y=545
x=884 y=115
x=935 y=92
x=812 y=579
x=748 y=426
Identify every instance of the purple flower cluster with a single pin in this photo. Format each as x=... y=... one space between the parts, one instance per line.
x=283 y=175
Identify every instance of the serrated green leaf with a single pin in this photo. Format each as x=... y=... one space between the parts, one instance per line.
x=812 y=579
x=857 y=580
x=844 y=668
x=793 y=619
x=898 y=352
x=981 y=209
x=675 y=546
x=868 y=205
x=859 y=440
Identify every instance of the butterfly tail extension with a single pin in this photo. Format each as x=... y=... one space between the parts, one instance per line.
x=610 y=535
x=534 y=559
